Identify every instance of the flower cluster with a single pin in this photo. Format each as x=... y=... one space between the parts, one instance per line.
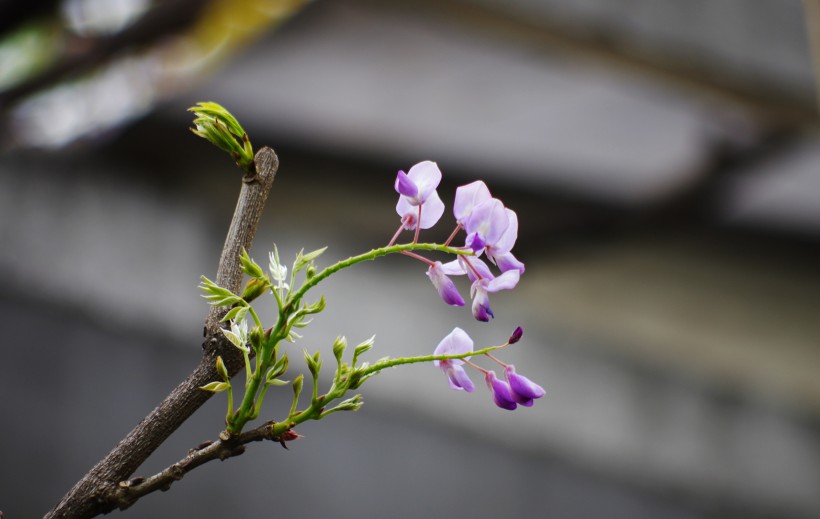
x=490 y=227
x=491 y=230
x=509 y=393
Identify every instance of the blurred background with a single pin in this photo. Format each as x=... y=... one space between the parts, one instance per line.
x=663 y=157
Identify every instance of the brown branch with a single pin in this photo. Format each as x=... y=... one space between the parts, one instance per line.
x=92 y=495
x=128 y=492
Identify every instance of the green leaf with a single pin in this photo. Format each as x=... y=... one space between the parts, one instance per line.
x=236 y=313
x=216 y=387
x=250 y=267
x=302 y=260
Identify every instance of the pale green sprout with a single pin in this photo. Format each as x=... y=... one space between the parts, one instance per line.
x=217 y=125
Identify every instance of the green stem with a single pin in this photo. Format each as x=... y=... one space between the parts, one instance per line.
x=370 y=256
x=247 y=409
x=389 y=363
x=314 y=411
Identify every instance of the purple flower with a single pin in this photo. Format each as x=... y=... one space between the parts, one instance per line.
x=499 y=252
x=420 y=183
x=467 y=197
x=417 y=190
x=524 y=390
x=502 y=393
x=444 y=285
x=485 y=225
x=455 y=343
x=484 y=284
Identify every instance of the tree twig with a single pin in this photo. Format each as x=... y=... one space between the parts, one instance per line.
x=96 y=492
x=128 y=492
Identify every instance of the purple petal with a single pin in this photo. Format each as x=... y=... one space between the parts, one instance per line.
x=444 y=285
x=475 y=268
x=505 y=281
x=475 y=241
x=404 y=186
x=408 y=212
x=507 y=261
x=431 y=211
x=502 y=394
x=488 y=220
x=453 y=268
x=507 y=239
x=468 y=197
x=524 y=390
x=426 y=176
x=481 y=303
x=459 y=379
x=456 y=343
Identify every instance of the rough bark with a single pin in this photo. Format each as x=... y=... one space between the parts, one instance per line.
x=97 y=492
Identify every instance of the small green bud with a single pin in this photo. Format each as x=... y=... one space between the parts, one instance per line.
x=298 y=382
x=279 y=368
x=250 y=267
x=339 y=346
x=351 y=404
x=254 y=288
x=363 y=347
x=313 y=363
x=222 y=370
x=316 y=307
x=310 y=271
x=257 y=337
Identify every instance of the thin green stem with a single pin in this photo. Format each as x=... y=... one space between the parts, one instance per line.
x=370 y=256
x=389 y=363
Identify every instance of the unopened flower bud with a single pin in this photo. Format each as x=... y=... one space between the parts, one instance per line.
x=339 y=346
x=254 y=288
x=516 y=335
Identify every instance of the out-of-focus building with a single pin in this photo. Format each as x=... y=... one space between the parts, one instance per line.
x=662 y=156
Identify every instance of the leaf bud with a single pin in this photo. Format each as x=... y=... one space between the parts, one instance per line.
x=222 y=370
x=254 y=288
x=339 y=346
x=257 y=337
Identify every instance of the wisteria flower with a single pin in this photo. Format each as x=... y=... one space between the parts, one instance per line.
x=524 y=390
x=484 y=284
x=457 y=342
x=419 y=205
x=485 y=225
x=467 y=197
x=445 y=287
x=502 y=393
x=420 y=183
x=499 y=252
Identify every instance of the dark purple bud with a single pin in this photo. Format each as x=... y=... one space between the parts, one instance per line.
x=502 y=394
x=516 y=335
